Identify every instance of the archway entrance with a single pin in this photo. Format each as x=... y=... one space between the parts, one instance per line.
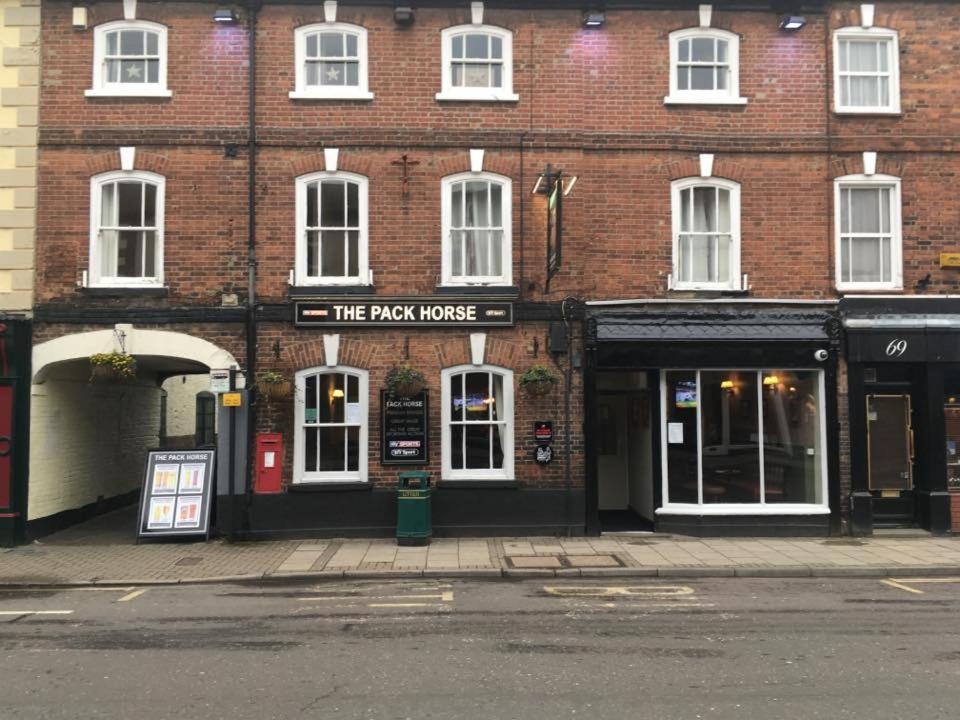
x=89 y=441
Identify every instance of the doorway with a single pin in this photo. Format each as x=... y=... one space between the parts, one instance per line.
x=624 y=453
x=890 y=457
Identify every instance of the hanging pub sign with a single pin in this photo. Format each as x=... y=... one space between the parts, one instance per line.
x=404 y=429
x=403 y=312
x=543 y=432
x=175 y=499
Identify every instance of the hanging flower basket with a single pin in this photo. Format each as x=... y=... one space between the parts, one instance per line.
x=274 y=386
x=112 y=367
x=405 y=381
x=537 y=381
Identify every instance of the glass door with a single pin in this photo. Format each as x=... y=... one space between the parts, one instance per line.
x=889 y=444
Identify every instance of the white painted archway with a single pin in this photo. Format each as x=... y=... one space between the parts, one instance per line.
x=136 y=341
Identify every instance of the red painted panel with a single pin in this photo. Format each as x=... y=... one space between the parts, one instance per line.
x=6 y=442
x=269 y=463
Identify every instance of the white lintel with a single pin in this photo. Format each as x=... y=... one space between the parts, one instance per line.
x=476 y=160
x=866 y=15
x=129 y=9
x=476 y=13
x=869 y=163
x=478 y=346
x=127 y=157
x=706 y=165
x=80 y=17
x=706 y=15
x=331 y=350
x=331 y=157
x=330 y=11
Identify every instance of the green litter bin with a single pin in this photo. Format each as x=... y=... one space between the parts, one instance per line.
x=414 y=518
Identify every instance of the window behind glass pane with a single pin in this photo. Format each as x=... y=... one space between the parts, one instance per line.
x=705 y=241
x=332 y=226
x=476 y=61
x=866 y=232
x=792 y=446
x=680 y=407
x=132 y=56
x=476 y=229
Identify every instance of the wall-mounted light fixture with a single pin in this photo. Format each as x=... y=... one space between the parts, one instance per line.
x=594 y=18
x=79 y=17
x=224 y=15
x=792 y=23
x=403 y=14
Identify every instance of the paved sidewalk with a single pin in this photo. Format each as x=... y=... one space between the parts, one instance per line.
x=100 y=553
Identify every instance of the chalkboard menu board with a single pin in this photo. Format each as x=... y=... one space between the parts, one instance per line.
x=175 y=499
x=404 y=429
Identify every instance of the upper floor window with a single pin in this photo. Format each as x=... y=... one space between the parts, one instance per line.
x=866 y=69
x=130 y=58
x=477 y=245
x=331 y=62
x=706 y=234
x=126 y=229
x=868 y=233
x=477 y=63
x=331 y=229
x=477 y=423
x=331 y=409
x=704 y=67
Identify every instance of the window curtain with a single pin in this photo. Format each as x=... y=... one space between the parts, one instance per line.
x=870 y=90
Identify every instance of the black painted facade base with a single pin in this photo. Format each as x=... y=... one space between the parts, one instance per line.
x=8 y=531
x=745 y=525
x=52 y=523
x=933 y=509
x=456 y=513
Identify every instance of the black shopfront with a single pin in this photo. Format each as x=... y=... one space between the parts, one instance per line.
x=903 y=365
x=712 y=418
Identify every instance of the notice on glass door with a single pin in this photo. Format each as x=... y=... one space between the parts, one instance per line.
x=675 y=433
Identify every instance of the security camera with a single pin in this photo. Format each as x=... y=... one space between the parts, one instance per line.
x=821 y=355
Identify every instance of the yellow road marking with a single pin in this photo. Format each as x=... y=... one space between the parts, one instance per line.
x=943 y=580
x=443 y=597
x=36 y=612
x=895 y=584
x=130 y=596
x=398 y=605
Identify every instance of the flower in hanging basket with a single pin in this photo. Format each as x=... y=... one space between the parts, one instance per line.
x=112 y=367
x=273 y=386
x=405 y=381
x=538 y=380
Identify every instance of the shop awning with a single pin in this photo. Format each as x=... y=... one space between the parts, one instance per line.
x=765 y=327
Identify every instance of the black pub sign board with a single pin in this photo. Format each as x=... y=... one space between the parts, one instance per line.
x=403 y=312
x=404 y=429
x=175 y=499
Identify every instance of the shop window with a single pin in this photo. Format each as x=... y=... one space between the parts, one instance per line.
x=706 y=234
x=331 y=229
x=743 y=440
x=477 y=63
x=331 y=62
x=705 y=67
x=331 y=425
x=126 y=233
x=868 y=233
x=206 y=433
x=130 y=59
x=477 y=243
x=866 y=71
x=477 y=418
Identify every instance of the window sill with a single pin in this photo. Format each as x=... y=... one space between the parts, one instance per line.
x=302 y=291
x=869 y=288
x=681 y=100
x=880 y=112
x=332 y=486
x=126 y=291
x=478 y=484
x=457 y=97
x=708 y=292
x=306 y=95
x=158 y=93
x=510 y=291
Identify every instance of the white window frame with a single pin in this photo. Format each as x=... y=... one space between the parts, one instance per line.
x=300 y=273
x=734 y=282
x=101 y=88
x=896 y=231
x=96 y=197
x=506 y=246
x=300 y=475
x=302 y=91
x=730 y=96
x=449 y=92
x=893 y=63
x=447 y=472
x=758 y=508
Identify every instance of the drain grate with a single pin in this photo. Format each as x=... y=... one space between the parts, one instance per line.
x=557 y=562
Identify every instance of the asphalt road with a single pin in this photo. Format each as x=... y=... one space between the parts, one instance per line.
x=731 y=648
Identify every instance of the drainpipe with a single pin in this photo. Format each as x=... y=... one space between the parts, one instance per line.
x=253 y=8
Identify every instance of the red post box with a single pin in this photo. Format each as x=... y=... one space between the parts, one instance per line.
x=269 y=463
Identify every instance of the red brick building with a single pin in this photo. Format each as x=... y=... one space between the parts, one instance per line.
x=732 y=193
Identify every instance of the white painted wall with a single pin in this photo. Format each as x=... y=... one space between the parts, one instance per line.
x=87 y=441
x=182 y=403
